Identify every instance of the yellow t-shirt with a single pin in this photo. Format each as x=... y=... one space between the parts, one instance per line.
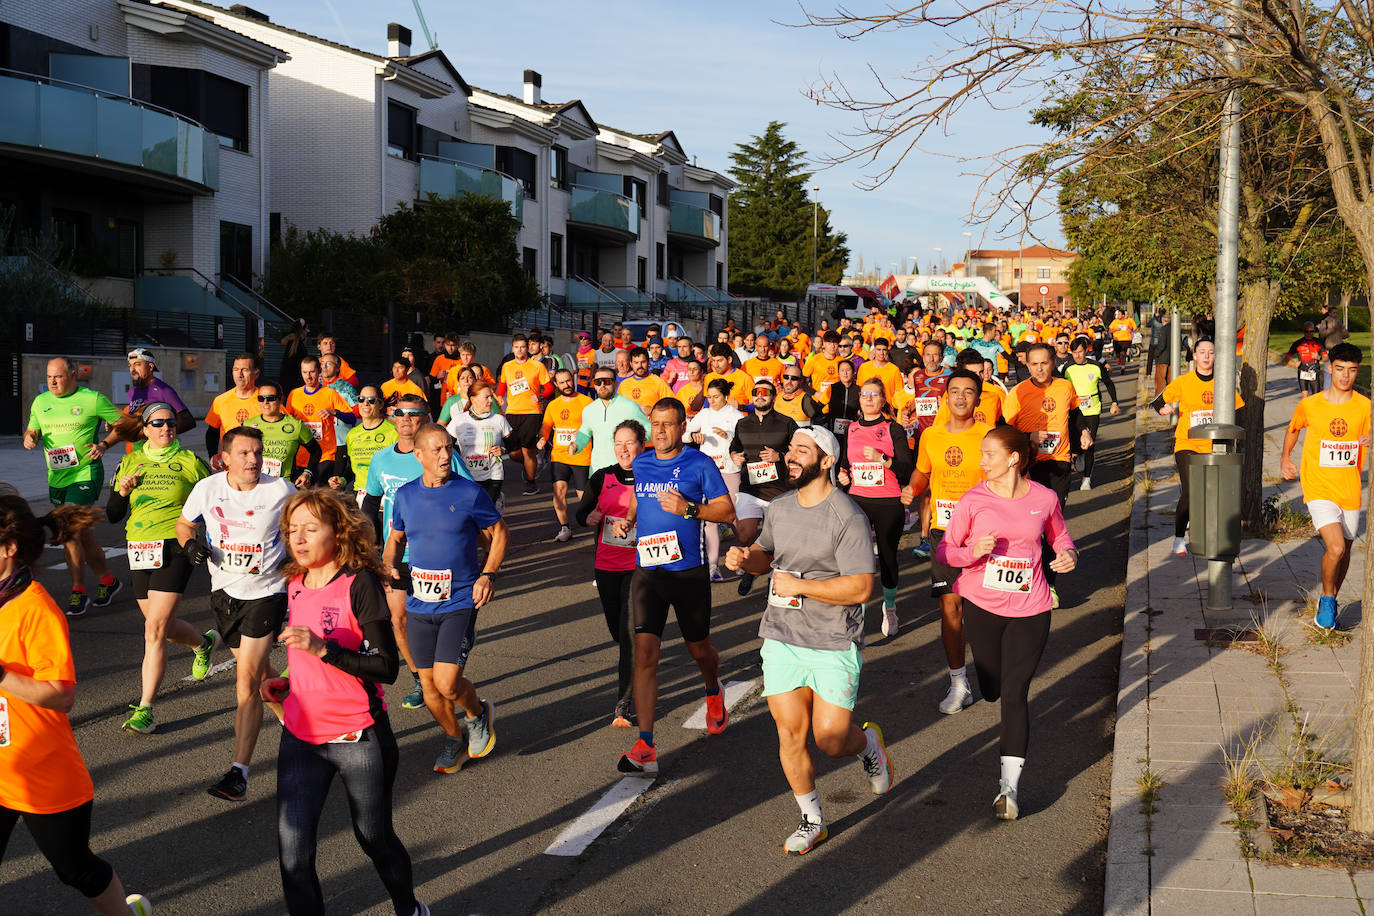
x=1194 y=399
x=562 y=418
x=950 y=460
x=1331 y=453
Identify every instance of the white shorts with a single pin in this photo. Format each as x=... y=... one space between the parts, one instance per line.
x=1324 y=512
x=749 y=506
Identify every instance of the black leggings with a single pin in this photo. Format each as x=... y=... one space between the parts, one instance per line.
x=614 y=590
x=1076 y=436
x=1006 y=652
x=886 y=514
x=64 y=839
x=1056 y=475
x=1182 y=461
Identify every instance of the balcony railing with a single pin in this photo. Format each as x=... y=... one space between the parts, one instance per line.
x=694 y=222
x=448 y=178
x=605 y=210
x=64 y=117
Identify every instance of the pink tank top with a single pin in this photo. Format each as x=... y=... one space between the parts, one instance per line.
x=870 y=478
x=614 y=502
x=325 y=703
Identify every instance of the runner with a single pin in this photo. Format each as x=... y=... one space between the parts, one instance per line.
x=524 y=385
x=712 y=430
x=819 y=368
x=64 y=420
x=675 y=372
x=373 y=433
x=1307 y=355
x=283 y=438
x=316 y=405
x=43 y=779
x=479 y=433
x=721 y=367
x=763 y=364
x=150 y=486
x=328 y=346
x=1123 y=331
x=562 y=420
x=1088 y=377
x=329 y=378
x=1190 y=396
x=841 y=400
x=442 y=517
x=994 y=535
x=878 y=367
x=989 y=408
x=677 y=490
x=400 y=382
x=874 y=464
x=240 y=510
x=796 y=402
x=233 y=407
x=607 y=499
x=340 y=650
x=758 y=446
x=146 y=388
x=1337 y=423
x=643 y=388
x=462 y=394
x=917 y=405
x=945 y=467
x=816 y=544
x=601 y=417
x=692 y=391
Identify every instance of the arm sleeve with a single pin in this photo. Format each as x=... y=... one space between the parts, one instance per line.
x=313 y=449
x=901 y=452
x=590 y=497
x=343 y=466
x=117 y=505
x=1105 y=381
x=211 y=439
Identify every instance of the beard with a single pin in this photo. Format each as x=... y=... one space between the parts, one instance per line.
x=808 y=473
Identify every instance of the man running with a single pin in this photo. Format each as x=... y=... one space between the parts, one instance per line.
x=815 y=542
x=602 y=416
x=524 y=385
x=437 y=521
x=758 y=446
x=373 y=433
x=677 y=490
x=1337 y=423
x=328 y=346
x=1122 y=330
x=562 y=420
x=316 y=405
x=64 y=420
x=147 y=388
x=1089 y=378
x=233 y=407
x=917 y=405
x=240 y=509
x=643 y=388
x=283 y=438
x=330 y=378
x=1307 y=355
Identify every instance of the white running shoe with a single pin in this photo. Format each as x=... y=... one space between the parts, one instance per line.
x=1087 y=484
x=564 y=534
x=890 y=623
x=1180 y=547
x=805 y=837
x=715 y=574
x=959 y=698
x=878 y=768
x=1004 y=805
x=139 y=905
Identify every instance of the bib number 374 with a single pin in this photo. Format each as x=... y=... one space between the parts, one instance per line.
x=1008 y=574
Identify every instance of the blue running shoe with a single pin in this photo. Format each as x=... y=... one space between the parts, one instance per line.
x=922 y=550
x=1327 y=617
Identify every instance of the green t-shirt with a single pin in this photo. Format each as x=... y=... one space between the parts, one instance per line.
x=455 y=404
x=68 y=425
x=163 y=487
x=362 y=444
x=280 y=440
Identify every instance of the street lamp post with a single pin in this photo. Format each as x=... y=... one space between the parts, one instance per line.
x=815 y=228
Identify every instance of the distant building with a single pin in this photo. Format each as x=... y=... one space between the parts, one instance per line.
x=1023 y=274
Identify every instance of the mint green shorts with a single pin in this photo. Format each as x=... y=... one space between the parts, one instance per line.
x=833 y=675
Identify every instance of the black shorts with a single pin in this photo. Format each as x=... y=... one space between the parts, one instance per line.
x=686 y=591
x=575 y=474
x=941 y=576
x=446 y=638
x=171 y=576
x=524 y=430
x=254 y=618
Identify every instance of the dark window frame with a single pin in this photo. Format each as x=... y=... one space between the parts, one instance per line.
x=555 y=254
x=558 y=167
x=660 y=260
x=401 y=137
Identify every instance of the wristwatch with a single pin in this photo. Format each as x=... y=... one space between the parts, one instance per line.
x=691 y=510
x=489 y=575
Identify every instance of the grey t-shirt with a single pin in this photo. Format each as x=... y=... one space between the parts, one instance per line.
x=822 y=542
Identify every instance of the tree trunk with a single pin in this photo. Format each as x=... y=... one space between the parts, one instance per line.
x=1258 y=300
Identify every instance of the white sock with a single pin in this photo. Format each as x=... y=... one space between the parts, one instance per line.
x=959 y=675
x=1011 y=771
x=242 y=768
x=810 y=805
x=871 y=748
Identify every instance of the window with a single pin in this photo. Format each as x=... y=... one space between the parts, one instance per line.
x=555 y=254
x=400 y=130
x=1016 y=273
x=274 y=229
x=225 y=111
x=520 y=165
x=720 y=275
x=660 y=256
x=636 y=190
x=530 y=259
x=643 y=283
x=429 y=140
x=236 y=252
x=558 y=168
x=1042 y=273
x=662 y=191
x=220 y=104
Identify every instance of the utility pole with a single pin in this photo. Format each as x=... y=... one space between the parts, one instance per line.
x=815 y=228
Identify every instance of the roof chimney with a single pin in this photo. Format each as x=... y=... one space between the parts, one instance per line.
x=397 y=40
x=533 y=83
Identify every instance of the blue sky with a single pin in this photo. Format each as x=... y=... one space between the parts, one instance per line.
x=716 y=73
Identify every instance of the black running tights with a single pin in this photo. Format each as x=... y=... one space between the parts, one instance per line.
x=886 y=514
x=1006 y=652
x=614 y=590
x=64 y=839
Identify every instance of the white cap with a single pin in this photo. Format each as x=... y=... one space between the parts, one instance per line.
x=825 y=441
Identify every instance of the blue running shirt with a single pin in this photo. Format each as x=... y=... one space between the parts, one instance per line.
x=694 y=476
x=441 y=525
x=388 y=471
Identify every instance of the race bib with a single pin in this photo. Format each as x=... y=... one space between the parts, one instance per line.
x=4 y=722
x=564 y=437
x=910 y=429
x=271 y=467
x=657 y=549
x=926 y=407
x=762 y=472
x=1008 y=574
x=776 y=600
x=841 y=427
x=1089 y=401
x=316 y=428
x=944 y=511
x=519 y=385
x=350 y=738
x=720 y=462
x=1199 y=417
x=1051 y=443
x=868 y=473
x=478 y=462
x=145 y=554
x=608 y=535
x=245 y=559
x=1307 y=375
x=431 y=585
x=62 y=457
x=1338 y=454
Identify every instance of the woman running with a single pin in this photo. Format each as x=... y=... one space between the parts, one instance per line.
x=607 y=498
x=994 y=535
x=340 y=649
x=841 y=400
x=480 y=432
x=458 y=401
x=151 y=486
x=712 y=429
x=874 y=463
x=43 y=779
x=785 y=354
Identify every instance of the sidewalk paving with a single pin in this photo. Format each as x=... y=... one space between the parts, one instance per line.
x=1181 y=703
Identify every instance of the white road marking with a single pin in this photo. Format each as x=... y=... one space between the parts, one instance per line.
x=578 y=835
x=734 y=692
x=214 y=669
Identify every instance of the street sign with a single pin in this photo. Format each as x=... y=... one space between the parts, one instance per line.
x=1044 y=290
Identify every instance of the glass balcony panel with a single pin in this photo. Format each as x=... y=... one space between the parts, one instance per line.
x=686 y=219
x=118 y=131
x=448 y=179
x=19 y=111
x=67 y=120
x=159 y=142
x=604 y=208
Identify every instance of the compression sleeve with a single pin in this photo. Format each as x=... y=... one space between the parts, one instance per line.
x=902 y=462
x=379 y=665
x=211 y=440
x=117 y=506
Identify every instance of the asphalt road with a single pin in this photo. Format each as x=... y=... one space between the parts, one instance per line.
x=706 y=838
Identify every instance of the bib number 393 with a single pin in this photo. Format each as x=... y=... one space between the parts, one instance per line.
x=145 y=554
x=657 y=549
x=1339 y=454
x=1008 y=574
x=62 y=457
x=431 y=585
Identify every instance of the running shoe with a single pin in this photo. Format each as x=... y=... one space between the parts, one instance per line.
x=959 y=698
x=1087 y=484
x=890 y=623
x=922 y=550
x=641 y=761
x=139 y=905
x=1054 y=597
x=1180 y=547
x=878 y=766
x=450 y=759
x=233 y=787
x=1004 y=805
x=421 y=909
x=715 y=574
x=1327 y=617
x=624 y=714
x=141 y=721
x=200 y=664
x=717 y=716
x=531 y=489
x=564 y=534
x=481 y=731
x=909 y=520
x=805 y=837
x=746 y=582
x=76 y=604
x=416 y=698
x=105 y=594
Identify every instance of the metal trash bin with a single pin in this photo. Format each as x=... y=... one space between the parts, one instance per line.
x=1214 y=482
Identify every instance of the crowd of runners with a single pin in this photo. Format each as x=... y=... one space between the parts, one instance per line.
x=361 y=527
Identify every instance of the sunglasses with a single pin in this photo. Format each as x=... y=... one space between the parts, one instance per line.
x=369 y=400
x=870 y=394
x=268 y=397
x=408 y=412
x=795 y=378
x=603 y=381
x=159 y=423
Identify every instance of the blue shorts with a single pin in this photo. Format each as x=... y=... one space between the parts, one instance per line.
x=446 y=638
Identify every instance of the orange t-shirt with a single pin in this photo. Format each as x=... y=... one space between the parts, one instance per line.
x=1194 y=399
x=769 y=368
x=228 y=410
x=41 y=770
x=1030 y=409
x=820 y=369
x=646 y=392
x=686 y=393
x=391 y=386
x=442 y=363
x=950 y=460
x=562 y=419
x=521 y=384
x=888 y=374
x=742 y=392
x=450 y=386
x=1331 y=454
x=988 y=411
x=305 y=406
